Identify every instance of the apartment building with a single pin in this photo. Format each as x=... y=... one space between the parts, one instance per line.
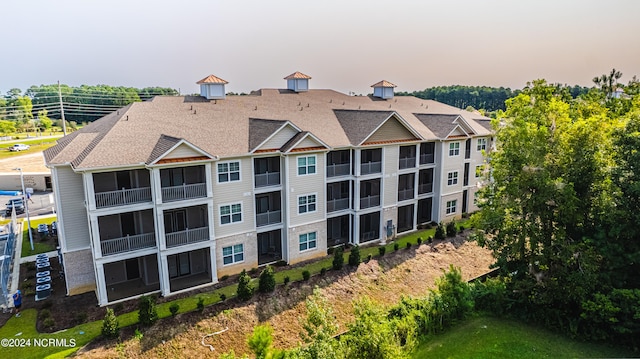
x=170 y=194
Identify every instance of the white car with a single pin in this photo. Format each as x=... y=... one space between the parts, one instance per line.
x=19 y=147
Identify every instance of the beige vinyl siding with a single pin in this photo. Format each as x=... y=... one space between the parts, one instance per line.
x=444 y=217
x=295 y=255
x=307 y=142
x=280 y=138
x=303 y=185
x=234 y=192
x=390 y=175
x=250 y=246
x=72 y=209
x=451 y=164
x=182 y=151
x=391 y=130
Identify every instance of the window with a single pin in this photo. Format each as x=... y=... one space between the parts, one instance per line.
x=306 y=165
x=233 y=254
x=454 y=149
x=228 y=172
x=308 y=241
x=479 y=170
x=482 y=144
x=231 y=213
x=452 y=178
x=451 y=206
x=306 y=203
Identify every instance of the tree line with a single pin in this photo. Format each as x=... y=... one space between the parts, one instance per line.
x=39 y=108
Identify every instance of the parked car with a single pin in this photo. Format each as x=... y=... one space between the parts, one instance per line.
x=17 y=203
x=19 y=147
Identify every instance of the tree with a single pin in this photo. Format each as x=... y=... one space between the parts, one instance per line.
x=110 y=325
x=267 y=281
x=354 y=256
x=338 y=258
x=245 y=289
x=319 y=330
x=7 y=127
x=608 y=83
x=44 y=120
x=147 y=310
x=260 y=342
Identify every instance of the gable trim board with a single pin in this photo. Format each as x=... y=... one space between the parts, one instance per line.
x=273 y=135
x=304 y=141
x=181 y=151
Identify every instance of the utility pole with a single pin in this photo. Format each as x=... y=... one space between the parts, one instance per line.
x=64 y=122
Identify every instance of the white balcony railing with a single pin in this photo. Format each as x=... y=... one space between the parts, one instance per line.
x=370 y=167
x=187 y=236
x=338 y=169
x=123 y=197
x=337 y=204
x=405 y=194
x=407 y=162
x=127 y=244
x=269 y=217
x=425 y=188
x=371 y=201
x=427 y=158
x=267 y=179
x=184 y=191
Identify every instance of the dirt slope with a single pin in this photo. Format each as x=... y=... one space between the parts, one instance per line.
x=406 y=272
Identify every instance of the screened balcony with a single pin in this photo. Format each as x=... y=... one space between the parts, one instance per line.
x=266 y=171
x=338 y=163
x=369 y=193
x=425 y=181
x=406 y=188
x=407 y=157
x=337 y=196
x=185 y=226
x=427 y=153
x=183 y=183
x=370 y=161
x=121 y=188
x=268 y=209
x=126 y=232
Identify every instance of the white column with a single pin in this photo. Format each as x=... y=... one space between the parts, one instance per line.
x=101 y=285
x=163 y=274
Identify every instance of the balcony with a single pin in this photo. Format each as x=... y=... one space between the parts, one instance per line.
x=187 y=236
x=267 y=218
x=425 y=188
x=405 y=194
x=337 y=204
x=370 y=201
x=338 y=169
x=427 y=158
x=371 y=167
x=123 y=197
x=267 y=179
x=127 y=244
x=407 y=162
x=184 y=191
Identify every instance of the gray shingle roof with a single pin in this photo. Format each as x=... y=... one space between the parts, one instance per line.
x=293 y=140
x=164 y=144
x=441 y=125
x=260 y=130
x=358 y=124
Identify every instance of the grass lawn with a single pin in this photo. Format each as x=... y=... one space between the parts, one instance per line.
x=38 y=245
x=487 y=337
x=36 y=145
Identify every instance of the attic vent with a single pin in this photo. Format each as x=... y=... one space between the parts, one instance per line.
x=212 y=87
x=383 y=89
x=298 y=82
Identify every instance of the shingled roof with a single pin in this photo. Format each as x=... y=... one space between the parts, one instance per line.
x=212 y=79
x=358 y=124
x=260 y=130
x=297 y=75
x=441 y=125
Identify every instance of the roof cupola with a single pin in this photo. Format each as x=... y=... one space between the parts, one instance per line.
x=383 y=89
x=298 y=82
x=212 y=87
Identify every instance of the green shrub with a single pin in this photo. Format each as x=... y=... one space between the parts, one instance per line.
x=200 y=304
x=461 y=229
x=330 y=250
x=49 y=323
x=44 y=314
x=253 y=271
x=354 y=256
x=323 y=271
x=224 y=277
x=451 y=229
x=419 y=241
x=430 y=239
x=147 y=310
x=396 y=246
x=440 y=232
x=369 y=257
x=408 y=245
x=306 y=275
x=280 y=263
x=267 y=282
x=174 y=308
x=110 y=325
x=287 y=279
x=118 y=308
x=382 y=250
x=490 y=295
x=81 y=317
x=223 y=297
x=245 y=289
x=338 y=258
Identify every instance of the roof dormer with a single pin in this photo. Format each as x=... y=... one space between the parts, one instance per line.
x=298 y=82
x=383 y=89
x=212 y=87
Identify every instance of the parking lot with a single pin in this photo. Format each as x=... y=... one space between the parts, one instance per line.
x=41 y=203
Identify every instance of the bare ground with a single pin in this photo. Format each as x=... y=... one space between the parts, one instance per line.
x=408 y=272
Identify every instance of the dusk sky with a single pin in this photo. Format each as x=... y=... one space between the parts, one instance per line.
x=345 y=45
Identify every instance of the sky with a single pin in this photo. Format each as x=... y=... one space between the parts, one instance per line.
x=346 y=45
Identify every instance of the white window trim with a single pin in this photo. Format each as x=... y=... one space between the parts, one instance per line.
x=233 y=262
x=230 y=213
x=229 y=172
x=456 y=178
x=307 y=166
x=484 y=140
x=451 y=143
x=451 y=209
x=307 y=241
x=306 y=195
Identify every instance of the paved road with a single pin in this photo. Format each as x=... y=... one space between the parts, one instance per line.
x=43 y=203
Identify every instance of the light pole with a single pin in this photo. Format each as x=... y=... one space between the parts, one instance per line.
x=26 y=206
